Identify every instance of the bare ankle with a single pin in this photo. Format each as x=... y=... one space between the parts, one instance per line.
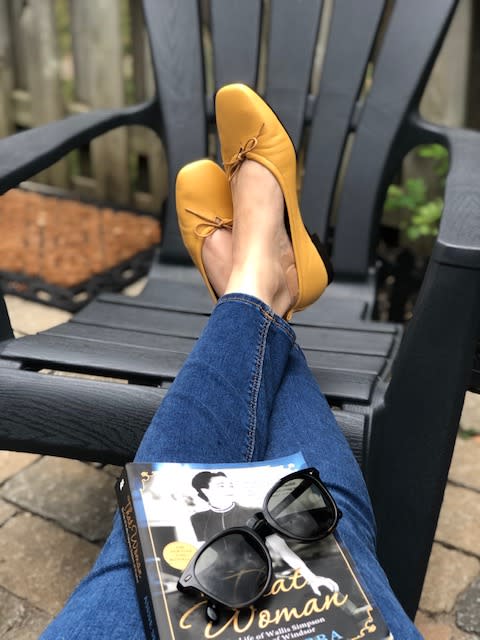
x=265 y=281
x=263 y=260
x=217 y=259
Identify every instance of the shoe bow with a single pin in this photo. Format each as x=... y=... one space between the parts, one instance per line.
x=233 y=165
x=208 y=226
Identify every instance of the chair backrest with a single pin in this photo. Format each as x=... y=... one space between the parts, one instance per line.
x=350 y=115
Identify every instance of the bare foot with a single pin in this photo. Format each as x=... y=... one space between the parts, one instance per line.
x=217 y=259
x=263 y=263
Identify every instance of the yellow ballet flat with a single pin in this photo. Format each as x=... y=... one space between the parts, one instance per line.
x=248 y=128
x=204 y=204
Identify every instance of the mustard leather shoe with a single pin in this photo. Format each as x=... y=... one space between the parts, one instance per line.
x=248 y=128
x=204 y=204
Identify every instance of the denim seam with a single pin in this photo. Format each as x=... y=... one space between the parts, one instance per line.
x=255 y=389
x=272 y=316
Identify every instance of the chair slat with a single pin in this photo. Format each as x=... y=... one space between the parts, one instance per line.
x=101 y=335
x=344 y=341
x=292 y=38
x=345 y=386
x=142 y=319
x=163 y=364
x=176 y=296
x=409 y=48
x=186 y=298
x=334 y=361
x=149 y=323
x=94 y=420
x=353 y=28
x=93 y=356
x=183 y=325
x=114 y=417
x=178 y=69
x=236 y=28
x=72 y=345
x=159 y=342
x=338 y=311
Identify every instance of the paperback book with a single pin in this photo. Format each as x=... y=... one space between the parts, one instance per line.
x=170 y=509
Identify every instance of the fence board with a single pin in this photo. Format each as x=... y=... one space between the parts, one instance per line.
x=30 y=85
x=126 y=166
x=37 y=26
x=98 y=64
x=16 y=8
x=145 y=144
x=22 y=109
x=142 y=61
x=6 y=71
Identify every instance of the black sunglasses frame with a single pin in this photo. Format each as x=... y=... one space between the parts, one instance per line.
x=308 y=474
x=258 y=527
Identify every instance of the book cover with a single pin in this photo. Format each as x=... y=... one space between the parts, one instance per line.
x=170 y=509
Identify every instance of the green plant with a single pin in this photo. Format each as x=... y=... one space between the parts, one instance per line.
x=439 y=157
x=423 y=211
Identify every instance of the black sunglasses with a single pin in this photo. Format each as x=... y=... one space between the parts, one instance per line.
x=234 y=568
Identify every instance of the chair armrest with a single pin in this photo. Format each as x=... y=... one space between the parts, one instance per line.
x=416 y=426
x=25 y=154
x=458 y=242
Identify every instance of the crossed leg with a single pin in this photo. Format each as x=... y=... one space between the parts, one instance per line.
x=245 y=393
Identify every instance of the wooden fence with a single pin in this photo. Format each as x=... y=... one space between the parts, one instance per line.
x=61 y=57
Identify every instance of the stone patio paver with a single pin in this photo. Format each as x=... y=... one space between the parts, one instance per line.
x=470 y=420
x=458 y=525
x=6 y=512
x=12 y=462
x=449 y=573
x=112 y=470
x=465 y=463
x=19 y=620
x=439 y=629
x=468 y=608
x=77 y=496
x=42 y=563
x=30 y=317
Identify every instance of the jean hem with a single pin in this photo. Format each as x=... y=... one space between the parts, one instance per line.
x=264 y=309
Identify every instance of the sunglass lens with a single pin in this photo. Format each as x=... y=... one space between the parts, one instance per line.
x=302 y=509
x=233 y=569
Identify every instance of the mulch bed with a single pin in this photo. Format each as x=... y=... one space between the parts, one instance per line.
x=63 y=252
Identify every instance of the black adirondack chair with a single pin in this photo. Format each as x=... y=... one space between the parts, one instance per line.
x=398 y=400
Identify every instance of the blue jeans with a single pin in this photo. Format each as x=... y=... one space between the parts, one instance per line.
x=245 y=393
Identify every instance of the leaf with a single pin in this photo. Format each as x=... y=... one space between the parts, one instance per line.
x=436 y=151
x=412 y=233
x=416 y=190
x=439 y=155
